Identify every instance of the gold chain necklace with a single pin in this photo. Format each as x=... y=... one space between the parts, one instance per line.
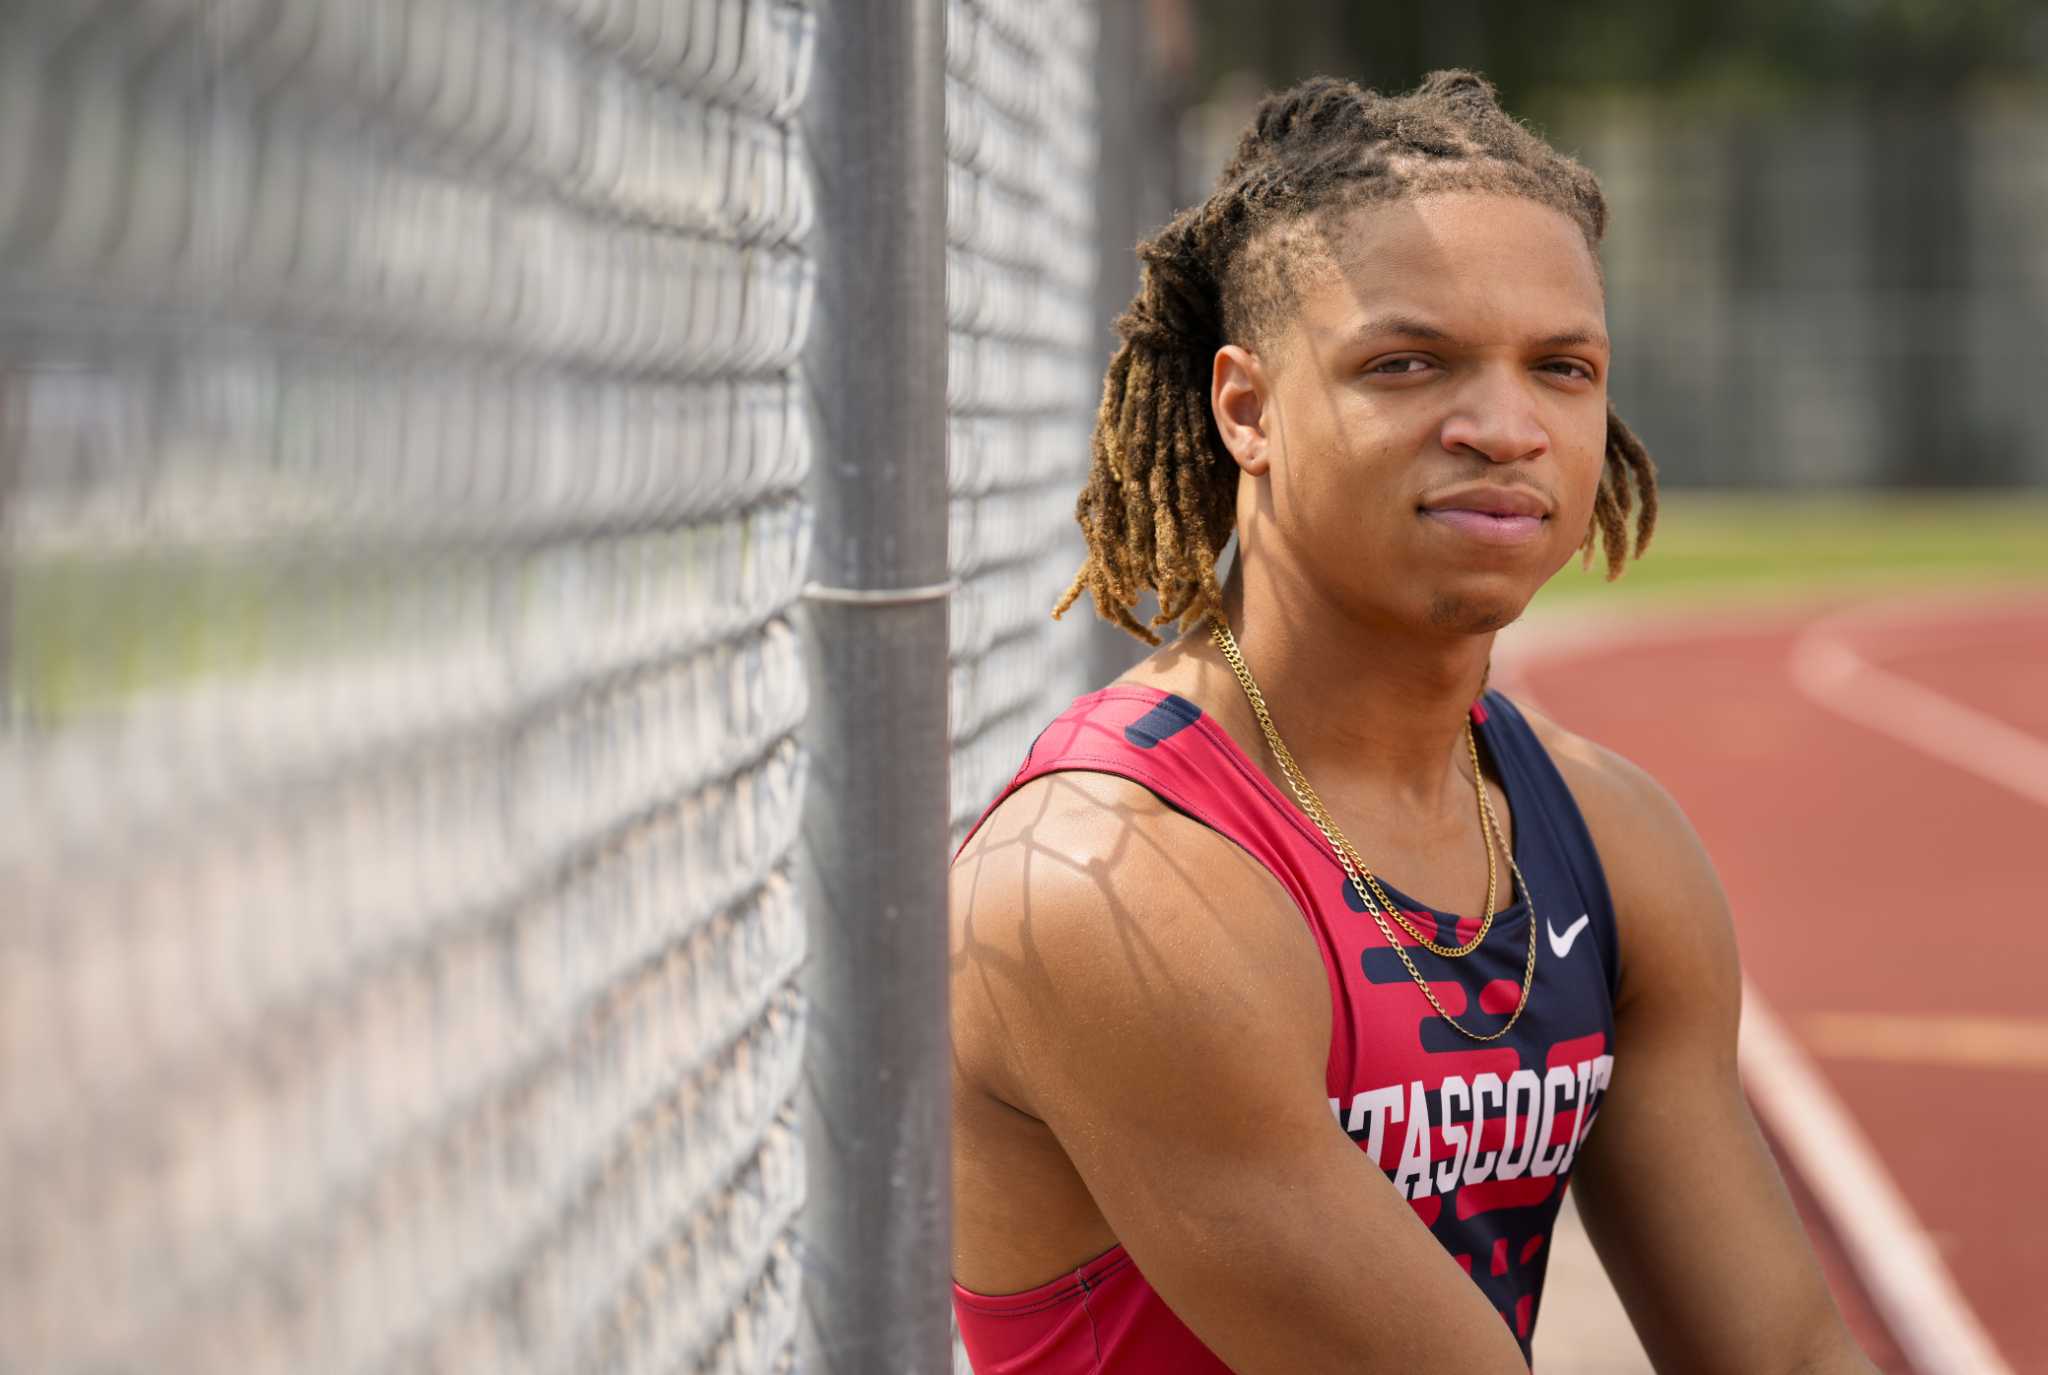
x=1347 y=854
x=1360 y=876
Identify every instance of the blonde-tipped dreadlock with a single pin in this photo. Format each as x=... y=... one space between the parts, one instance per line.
x=1161 y=495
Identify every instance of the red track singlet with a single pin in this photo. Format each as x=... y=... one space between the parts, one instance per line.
x=1479 y=1137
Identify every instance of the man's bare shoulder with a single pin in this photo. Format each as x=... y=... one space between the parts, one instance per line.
x=1069 y=841
x=1624 y=806
x=1084 y=899
x=1667 y=897
x=1079 y=805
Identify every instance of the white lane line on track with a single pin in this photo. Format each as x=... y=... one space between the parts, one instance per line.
x=1928 y=1316
x=1834 y=677
x=1890 y=1251
x=1934 y=1324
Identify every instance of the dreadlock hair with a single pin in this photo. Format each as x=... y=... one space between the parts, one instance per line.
x=1160 y=500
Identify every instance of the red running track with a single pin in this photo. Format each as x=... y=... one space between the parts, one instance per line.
x=1871 y=879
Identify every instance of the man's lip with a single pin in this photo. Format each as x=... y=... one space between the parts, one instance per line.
x=1486 y=527
x=1490 y=501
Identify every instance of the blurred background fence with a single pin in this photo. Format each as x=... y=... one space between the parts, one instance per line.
x=1023 y=367
x=1848 y=293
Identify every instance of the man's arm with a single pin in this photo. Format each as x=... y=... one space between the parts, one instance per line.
x=1145 y=989
x=1678 y=1190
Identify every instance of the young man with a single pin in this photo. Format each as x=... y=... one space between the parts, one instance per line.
x=1227 y=1097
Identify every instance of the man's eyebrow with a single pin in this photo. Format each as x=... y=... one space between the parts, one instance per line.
x=1413 y=327
x=1573 y=338
x=1401 y=327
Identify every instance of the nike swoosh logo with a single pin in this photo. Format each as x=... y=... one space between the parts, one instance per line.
x=1561 y=946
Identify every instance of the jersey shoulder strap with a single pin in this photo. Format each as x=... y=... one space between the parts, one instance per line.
x=1167 y=745
x=1515 y=747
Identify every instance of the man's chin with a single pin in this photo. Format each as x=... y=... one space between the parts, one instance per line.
x=1473 y=612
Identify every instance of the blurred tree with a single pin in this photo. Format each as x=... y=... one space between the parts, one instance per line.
x=1735 y=51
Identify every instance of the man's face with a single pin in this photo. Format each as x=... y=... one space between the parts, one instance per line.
x=1447 y=363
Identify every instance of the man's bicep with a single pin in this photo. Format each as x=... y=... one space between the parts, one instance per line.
x=1189 y=1067
x=1175 y=1046
x=1090 y=919
x=1163 y=1004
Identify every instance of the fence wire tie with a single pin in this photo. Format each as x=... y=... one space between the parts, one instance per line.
x=881 y=596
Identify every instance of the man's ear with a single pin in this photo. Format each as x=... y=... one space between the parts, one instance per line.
x=1237 y=398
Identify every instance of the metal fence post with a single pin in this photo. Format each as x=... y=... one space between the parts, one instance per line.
x=11 y=423
x=877 y=1226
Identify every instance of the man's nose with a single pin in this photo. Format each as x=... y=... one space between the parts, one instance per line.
x=1496 y=417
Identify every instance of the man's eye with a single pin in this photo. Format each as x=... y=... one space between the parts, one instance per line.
x=1398 y=367
x=1565 y=367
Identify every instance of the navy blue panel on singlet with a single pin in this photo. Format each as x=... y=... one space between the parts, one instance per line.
x=1512 y=744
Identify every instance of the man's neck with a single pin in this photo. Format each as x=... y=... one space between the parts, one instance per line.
x=1365 y=707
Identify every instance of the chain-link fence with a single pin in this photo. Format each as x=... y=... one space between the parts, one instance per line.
x=1024 y=367
x=404 y=500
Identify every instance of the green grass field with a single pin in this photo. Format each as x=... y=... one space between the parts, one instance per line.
x=91 y=633
x=1730 y=546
